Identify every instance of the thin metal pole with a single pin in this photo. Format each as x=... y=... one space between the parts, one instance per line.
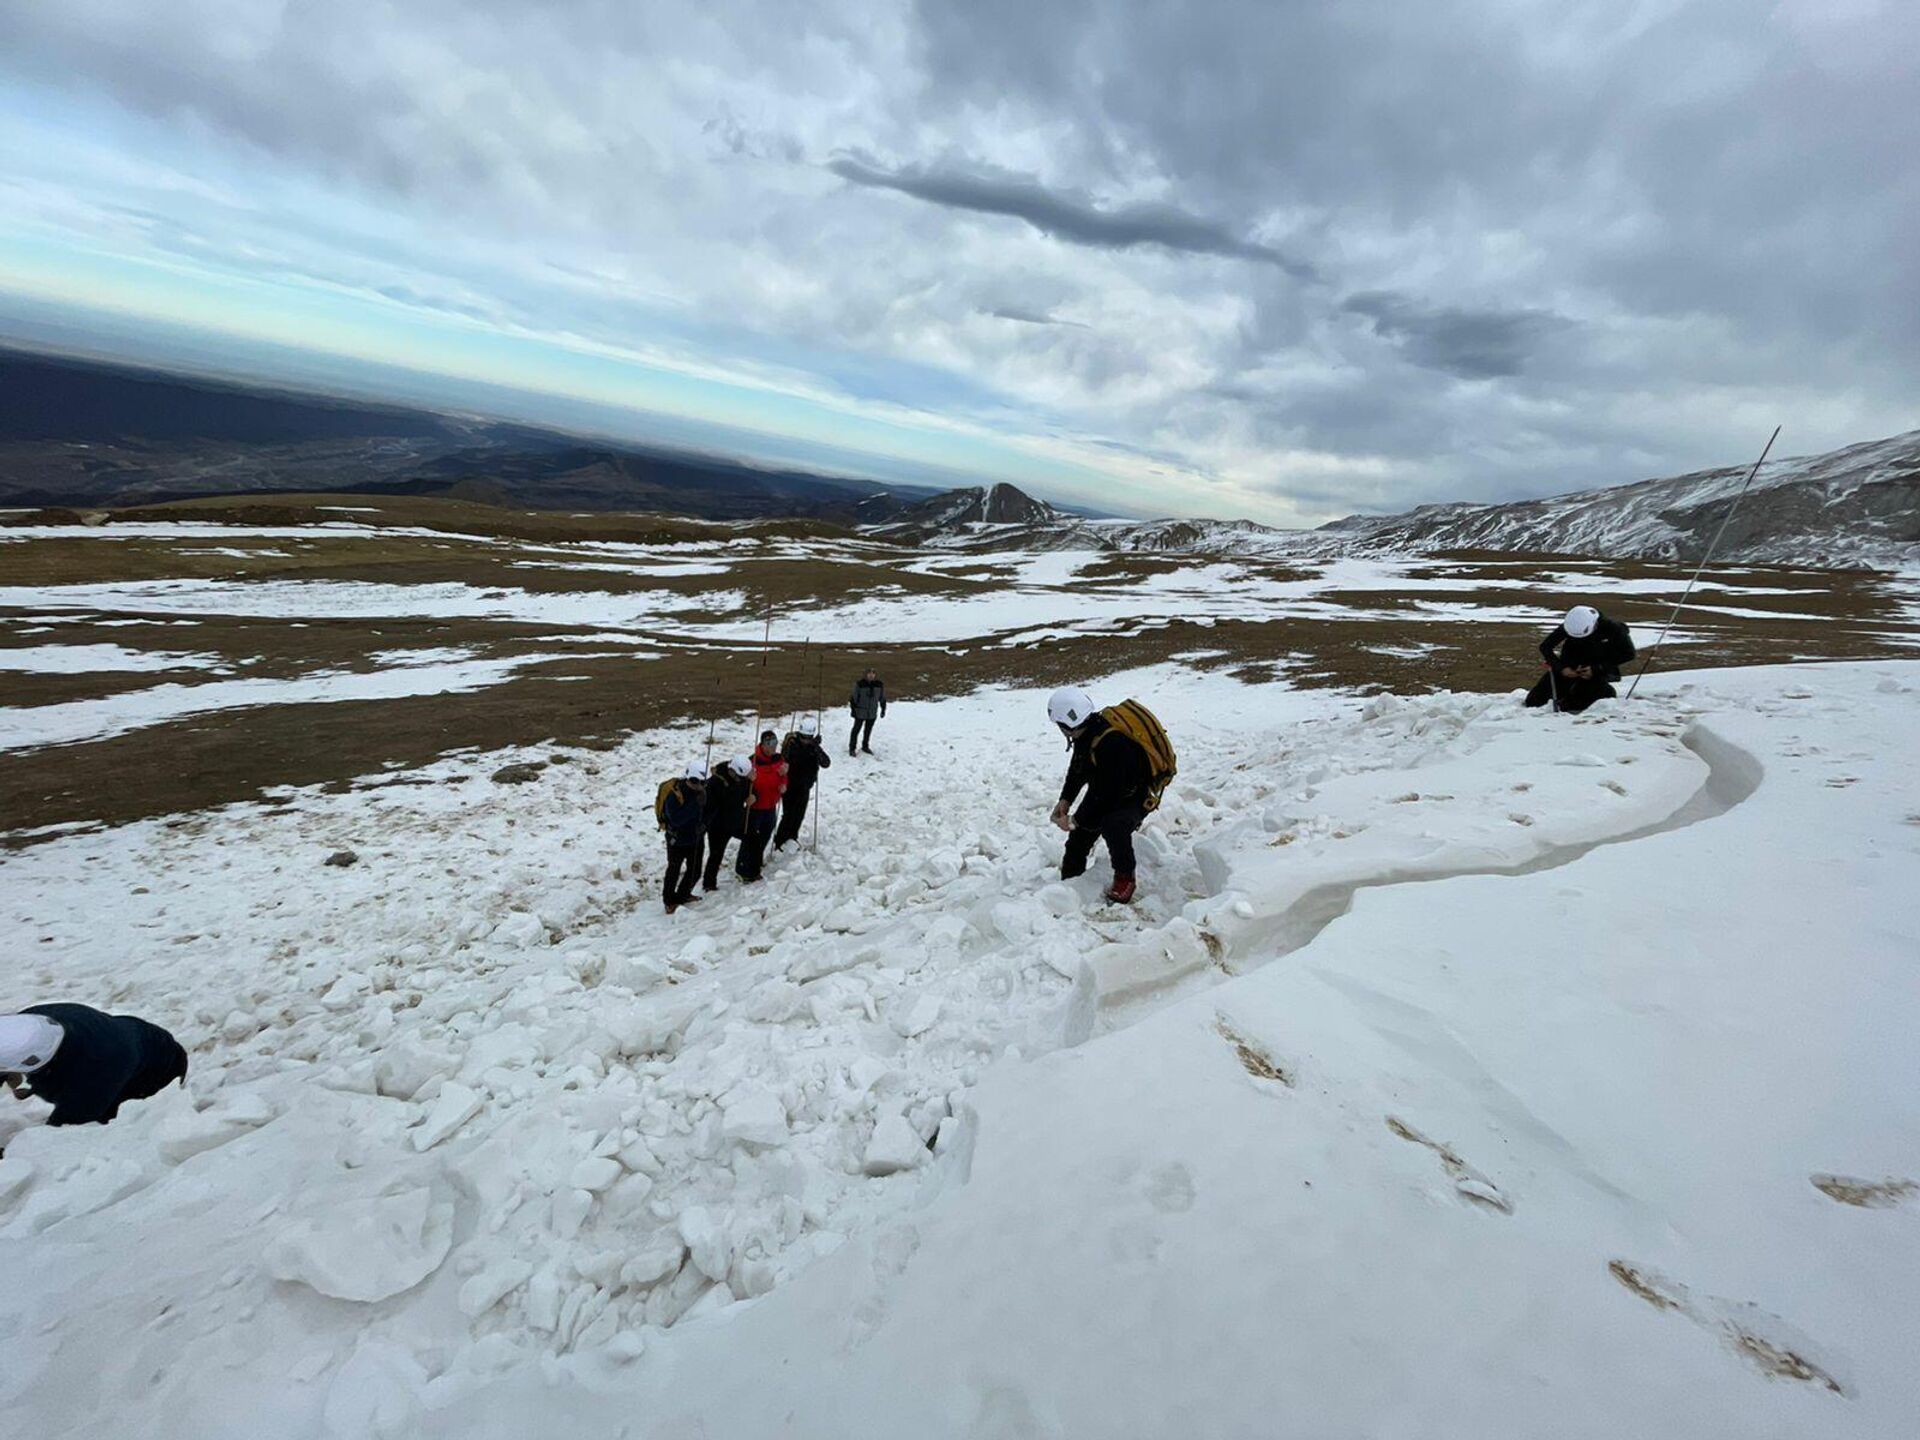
x=760 y=707
x=819 y=689
x=1712 y=545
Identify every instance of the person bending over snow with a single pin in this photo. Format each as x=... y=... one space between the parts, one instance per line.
x=1583 y=655
x=86 y=1063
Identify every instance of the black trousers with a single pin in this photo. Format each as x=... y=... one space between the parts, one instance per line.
x=862 y=736
x=1116 y=827
x=1575 y=695
x=753 y=846
x=683 y=871
x=717 y=842
x=793 y=811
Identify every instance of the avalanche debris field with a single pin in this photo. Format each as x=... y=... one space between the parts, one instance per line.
x=164 y=659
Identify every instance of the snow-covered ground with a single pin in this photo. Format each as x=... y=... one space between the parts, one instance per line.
x=1461 y=1071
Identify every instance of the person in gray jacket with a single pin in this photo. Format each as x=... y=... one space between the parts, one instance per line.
x=868 y=704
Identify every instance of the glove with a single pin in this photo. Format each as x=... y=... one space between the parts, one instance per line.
x=1061 y=819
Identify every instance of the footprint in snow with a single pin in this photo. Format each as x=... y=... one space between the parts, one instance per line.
x=1468 y=1181
x=1170 y=1188
x=1763 y=1340
x=1866 y=1194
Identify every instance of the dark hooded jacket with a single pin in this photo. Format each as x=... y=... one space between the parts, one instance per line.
x=1111 y=767
x=806 y=758
x=103 y=1060
x=727 y=794
x=683 y=814
x=1608 y=648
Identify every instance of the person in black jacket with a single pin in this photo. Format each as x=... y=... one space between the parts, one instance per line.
x=1583 y=656
x=86 y=1063
x=683 y=815
x=867 y=704
x=1116 y=775
x=729 y=792
x=806 y=757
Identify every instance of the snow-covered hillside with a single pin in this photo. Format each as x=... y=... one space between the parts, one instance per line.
x=1611 y=1133
x=1855 y=507
x=1858 y=507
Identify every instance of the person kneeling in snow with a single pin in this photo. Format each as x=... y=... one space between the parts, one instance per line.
x=806 y=757
x=1584 y=653
x=1123 y=760
x=769 y=784
x=729 y=791
x=86 y=1063
x=682 y=810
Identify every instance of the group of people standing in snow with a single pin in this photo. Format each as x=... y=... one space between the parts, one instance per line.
x=1120 y=761
x=760 y=799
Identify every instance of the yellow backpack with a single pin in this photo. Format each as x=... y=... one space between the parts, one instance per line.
x=1138 y=724
x=667 y=787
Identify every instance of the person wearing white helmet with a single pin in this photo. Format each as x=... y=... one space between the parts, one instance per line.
x=1583 y=655
x=681 y=808
x=1112 y=763
x=729 y=792
x=86 y=1063
x=806 y=757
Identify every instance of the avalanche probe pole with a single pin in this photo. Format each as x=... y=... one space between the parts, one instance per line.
x=1553 y=684
x=1712 y=545
x=760 y=709
x=819 y=713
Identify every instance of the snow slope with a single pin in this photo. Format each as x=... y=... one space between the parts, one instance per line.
x=480 y=1143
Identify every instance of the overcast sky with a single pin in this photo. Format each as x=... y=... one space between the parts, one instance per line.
x=1278 y=259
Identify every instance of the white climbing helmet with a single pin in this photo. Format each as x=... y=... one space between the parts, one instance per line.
x=1580 y=621
x=696 y=771
x=743 y=764
x=808 y=725
x=27 y=1042
x=1070 y=706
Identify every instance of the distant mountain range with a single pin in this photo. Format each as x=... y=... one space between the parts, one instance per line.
x=83 y=434
x=77 y=433
x=1855 y=507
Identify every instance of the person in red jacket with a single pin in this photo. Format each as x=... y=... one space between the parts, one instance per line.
x=769 y=784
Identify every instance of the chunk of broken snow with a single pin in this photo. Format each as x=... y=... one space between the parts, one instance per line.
x=895 y=1146
x=754 y=1117
x=595 y=1174
x=453 y=1107
x=1583 y=761
x=365 y=1250
x=918 y=1017
x=709 y=1241
x=492 y=1285
x=186 y=1133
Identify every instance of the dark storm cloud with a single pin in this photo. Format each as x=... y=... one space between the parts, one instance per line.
x=1473 y=344
x=1065 y=215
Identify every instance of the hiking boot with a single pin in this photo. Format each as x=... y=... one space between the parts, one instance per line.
x=671 y=907
x=1121 y=891
x=709 y=886
x=688 y=899
x=866 y=750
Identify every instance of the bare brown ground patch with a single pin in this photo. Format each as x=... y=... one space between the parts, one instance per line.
x=591 y=697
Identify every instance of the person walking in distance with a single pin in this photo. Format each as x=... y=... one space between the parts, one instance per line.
x=86 y=1063
x=806 y=757
x=681 y=808
x=769 y=784
x=1123 y=760
x=729 y=792
x=1583 y=656
x=868 y=704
